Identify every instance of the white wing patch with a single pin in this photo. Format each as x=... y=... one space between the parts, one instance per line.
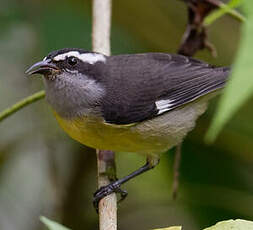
x=163 y=105
x=90 y=58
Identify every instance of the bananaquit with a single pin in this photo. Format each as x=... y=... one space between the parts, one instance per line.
x=144 y=103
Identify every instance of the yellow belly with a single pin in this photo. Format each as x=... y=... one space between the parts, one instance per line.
x=149 y=137
x=95 y=133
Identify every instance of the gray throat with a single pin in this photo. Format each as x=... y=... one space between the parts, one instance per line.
x=73 y=95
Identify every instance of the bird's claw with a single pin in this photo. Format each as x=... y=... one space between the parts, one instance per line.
x=107 y=190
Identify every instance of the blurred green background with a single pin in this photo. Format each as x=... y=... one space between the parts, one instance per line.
x=44 y=172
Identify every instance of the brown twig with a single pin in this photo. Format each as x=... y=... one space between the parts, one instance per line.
x=194 y=39
x=195 y=36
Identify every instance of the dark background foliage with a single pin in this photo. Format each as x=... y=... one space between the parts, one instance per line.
x=44 y=172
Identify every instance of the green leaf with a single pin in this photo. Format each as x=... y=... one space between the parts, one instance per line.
x=225 y=9
x=51 y=225
x=232 y=225
x=170 y=228
x=240 y=85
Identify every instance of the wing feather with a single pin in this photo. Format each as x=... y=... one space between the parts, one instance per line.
x=143 y=86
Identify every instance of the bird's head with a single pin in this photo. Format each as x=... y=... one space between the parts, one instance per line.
x=68 y=61
x=72 y=79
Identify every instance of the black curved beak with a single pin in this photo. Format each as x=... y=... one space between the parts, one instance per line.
x=44 y=67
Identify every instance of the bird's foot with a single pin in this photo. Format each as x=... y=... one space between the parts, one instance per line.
x=107 y=190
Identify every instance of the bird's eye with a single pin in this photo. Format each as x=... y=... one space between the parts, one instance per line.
x=72 y=61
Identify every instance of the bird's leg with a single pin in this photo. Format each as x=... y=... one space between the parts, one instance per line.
x=152 y=161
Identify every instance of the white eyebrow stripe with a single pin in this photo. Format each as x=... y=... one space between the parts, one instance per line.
x=90 y=58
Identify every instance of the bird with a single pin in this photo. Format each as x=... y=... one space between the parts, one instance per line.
x=142 y=103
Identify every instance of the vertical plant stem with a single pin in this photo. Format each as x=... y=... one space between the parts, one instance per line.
x=105 y=159
x=107 y=208
x=101 y=28
x=176 y=171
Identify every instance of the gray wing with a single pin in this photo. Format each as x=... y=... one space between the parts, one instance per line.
x=143 y=86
